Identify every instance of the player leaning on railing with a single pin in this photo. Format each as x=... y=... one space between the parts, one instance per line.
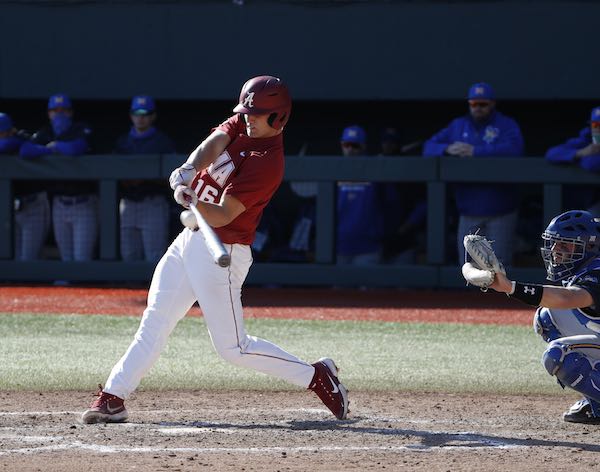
x=568 y=316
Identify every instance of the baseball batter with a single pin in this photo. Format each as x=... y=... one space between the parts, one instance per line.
x=568 y=316
x=230 y=177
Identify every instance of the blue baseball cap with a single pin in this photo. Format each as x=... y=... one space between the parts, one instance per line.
x=595 y=116
x=6 y=123
x=60 y=100
x=354 y=134
x=142 y=105
x=481 y=91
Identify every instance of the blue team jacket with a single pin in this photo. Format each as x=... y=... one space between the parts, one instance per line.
x=150 y=142
x=500 y=136
x=565 y=153
x=73 y=142
x=576 y=196
x=359 y=218
x=10 y=144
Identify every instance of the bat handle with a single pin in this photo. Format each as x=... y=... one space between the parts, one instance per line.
x=213 y=243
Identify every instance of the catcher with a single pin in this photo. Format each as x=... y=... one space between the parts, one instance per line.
x=567 y=316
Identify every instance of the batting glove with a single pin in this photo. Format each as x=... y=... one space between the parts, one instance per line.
x=182 y=176
x=185 y=196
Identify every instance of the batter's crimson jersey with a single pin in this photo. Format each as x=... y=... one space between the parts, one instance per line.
x=251 y=170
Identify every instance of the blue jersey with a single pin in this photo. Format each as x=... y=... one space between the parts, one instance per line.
x=10 y=144
x=577 y=196
x=565 y=153
x=588 y=278
x=152 y=141
x=500 y=136
x=71 y=142
x=360 y=226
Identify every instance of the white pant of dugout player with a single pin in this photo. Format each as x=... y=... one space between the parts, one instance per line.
x=187 y=273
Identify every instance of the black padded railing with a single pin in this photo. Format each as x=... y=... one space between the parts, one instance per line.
x=436 y=174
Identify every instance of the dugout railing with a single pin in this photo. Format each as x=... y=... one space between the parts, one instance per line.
x=436 y=174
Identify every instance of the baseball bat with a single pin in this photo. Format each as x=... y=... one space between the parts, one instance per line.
x=213 y=243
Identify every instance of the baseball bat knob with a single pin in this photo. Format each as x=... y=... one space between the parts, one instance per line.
x=224 y=260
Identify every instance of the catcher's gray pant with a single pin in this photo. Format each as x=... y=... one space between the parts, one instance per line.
x=187 y=273
x=144 y=228
x=32 y=223
x=574 y=328
x=499 y=229
x=75 y=220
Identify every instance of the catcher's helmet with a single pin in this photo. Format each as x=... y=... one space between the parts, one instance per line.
x=569 y=242
x=266 y=95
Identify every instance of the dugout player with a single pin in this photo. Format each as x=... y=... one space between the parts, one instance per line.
x=74 y=206
x=484 y=132
x=230 y=177
x=32 y=209
x=568 y=316
x=143 y=208
x=582 y=151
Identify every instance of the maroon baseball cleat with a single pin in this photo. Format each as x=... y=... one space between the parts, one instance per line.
x=328 y=388
x=106 y=408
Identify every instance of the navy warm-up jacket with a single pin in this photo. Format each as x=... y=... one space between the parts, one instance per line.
x=565 y=153
x=500 y=136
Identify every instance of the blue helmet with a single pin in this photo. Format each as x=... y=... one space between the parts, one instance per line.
x=569 y=242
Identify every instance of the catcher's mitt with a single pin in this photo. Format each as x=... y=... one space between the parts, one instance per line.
x=484 y=266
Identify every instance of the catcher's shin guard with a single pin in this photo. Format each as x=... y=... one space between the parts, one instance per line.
x=572 y=369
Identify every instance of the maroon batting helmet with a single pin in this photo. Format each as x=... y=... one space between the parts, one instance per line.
x=266 y=95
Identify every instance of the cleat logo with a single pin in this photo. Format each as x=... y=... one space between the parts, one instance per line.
x=335 y=387
x=112 y=410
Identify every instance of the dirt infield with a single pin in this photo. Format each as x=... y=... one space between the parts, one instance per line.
x=327 y=304
x=289 y=431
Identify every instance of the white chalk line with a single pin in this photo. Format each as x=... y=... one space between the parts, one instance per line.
x=96 y=448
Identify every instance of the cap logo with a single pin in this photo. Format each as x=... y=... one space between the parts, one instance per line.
x=596 y=113
x=248 y=101
x=141 y=101
x=58 y=99
x=479 y=91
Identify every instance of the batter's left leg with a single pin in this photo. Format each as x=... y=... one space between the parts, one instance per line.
x=218 y=291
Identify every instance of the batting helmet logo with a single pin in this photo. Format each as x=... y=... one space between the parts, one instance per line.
x=248 y=101
x=266 y=95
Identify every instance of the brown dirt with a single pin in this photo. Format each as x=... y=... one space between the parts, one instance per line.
x=290 y=431
x=322 y=304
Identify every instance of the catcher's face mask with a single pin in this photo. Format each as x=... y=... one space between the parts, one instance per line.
x=561 y=255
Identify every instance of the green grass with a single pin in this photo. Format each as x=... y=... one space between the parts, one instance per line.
x=76 y=352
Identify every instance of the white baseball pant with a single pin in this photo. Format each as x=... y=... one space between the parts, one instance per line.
x=187 y=273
